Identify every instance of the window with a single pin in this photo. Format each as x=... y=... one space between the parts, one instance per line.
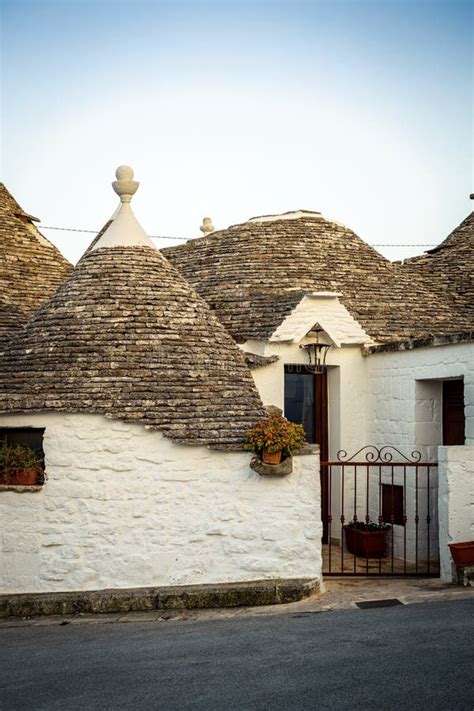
x=300 y=398
x=453 y=412
x=31 y=471
x=31 y=436
x=392 y=504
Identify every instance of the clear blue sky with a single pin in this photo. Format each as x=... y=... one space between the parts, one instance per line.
x=362 y=110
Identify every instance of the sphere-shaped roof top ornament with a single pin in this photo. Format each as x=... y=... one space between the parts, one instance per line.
x=125 y=186
x=124 y=230
x=207 y=227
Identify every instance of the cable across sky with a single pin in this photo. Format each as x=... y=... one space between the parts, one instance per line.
x=182 y=239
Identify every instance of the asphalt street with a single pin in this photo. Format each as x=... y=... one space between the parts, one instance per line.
x=405 y=657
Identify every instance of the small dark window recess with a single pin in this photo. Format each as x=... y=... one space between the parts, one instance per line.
x=454 y=424
x=30 y=436
x=300 y=404
x=392 y=504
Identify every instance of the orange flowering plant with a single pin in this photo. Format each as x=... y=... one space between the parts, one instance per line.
x=275 y=434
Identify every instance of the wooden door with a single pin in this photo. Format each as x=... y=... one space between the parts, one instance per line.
x=453 y=412
x=321 y=419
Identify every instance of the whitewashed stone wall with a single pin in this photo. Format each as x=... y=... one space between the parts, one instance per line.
x=404 y=409
x=456 y=501
x=346 y=404
x=126 y=507
x=385 y=398
x=403 y=412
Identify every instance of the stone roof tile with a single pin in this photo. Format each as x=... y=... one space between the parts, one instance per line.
x=127 y=337
x=254 y=274
x=451 y=266
x=31 y=268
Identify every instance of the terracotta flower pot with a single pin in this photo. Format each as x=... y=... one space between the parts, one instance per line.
x=462 y=553
x=26 y=477
x=271 y=457
x=367 y=544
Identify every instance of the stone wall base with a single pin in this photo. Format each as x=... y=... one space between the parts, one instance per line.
x=183 y=597
x=464 y=575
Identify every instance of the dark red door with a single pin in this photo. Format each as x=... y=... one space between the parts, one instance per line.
x=453 y=412
x=321 y=403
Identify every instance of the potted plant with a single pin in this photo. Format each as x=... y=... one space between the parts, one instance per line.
x=462 y=553
x=19 y=464
x=274 y=437
x=366 y=539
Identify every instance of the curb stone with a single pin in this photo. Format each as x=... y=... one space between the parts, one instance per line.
x=224 y=595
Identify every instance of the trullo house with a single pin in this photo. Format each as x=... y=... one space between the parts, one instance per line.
x=140 y=399
x=368 y=355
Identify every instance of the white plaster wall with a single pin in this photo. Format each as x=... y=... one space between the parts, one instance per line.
x=456 y=502
x=346 y=405
x=428 y=416
x=126 y=507
x=416 y=542
x=404 y=409
x=392 y=392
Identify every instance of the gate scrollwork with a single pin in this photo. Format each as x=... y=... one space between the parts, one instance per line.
x=375 y=455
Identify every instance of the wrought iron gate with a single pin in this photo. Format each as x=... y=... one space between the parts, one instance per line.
x=381 y=514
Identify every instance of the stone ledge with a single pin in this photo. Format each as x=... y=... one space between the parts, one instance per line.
x=306 y=450
x=182 y=597
x=283 y=469
x=255 y=361
x=20 y=489
x=411 y=344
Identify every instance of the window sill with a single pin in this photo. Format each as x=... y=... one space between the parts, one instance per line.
x=21 y=489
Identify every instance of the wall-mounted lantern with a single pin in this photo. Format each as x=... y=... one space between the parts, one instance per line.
x=317 y=353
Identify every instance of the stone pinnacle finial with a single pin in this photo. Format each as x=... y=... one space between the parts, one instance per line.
x=207 y=227
x=125 y=186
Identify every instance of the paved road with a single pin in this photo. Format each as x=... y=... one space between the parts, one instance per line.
x=403 y=658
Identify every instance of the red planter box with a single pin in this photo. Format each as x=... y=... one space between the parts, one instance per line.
x=27 y=477
x=463 y=553
x=367 y=544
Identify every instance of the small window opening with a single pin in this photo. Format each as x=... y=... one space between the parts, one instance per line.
x=454 y=423
x=24 y=468
x=392 y=504
x=300 y=405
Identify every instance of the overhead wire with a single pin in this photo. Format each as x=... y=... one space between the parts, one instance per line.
x=182 y=239
x=95 y=232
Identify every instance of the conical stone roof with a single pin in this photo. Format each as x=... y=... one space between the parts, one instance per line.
x=31 y=268
x=451 y=266
x=127 y=337
x=253 y=275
